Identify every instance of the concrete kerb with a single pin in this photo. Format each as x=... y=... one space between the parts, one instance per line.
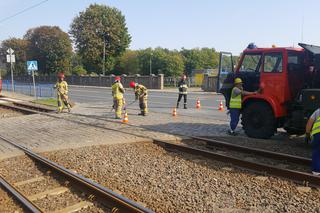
x=173 y=90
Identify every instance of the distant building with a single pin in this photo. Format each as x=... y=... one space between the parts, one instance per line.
x=199 y=74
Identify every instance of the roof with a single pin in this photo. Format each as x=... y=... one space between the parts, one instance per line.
x=273 y=48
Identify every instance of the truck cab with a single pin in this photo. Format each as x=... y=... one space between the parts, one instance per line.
x=286 y=77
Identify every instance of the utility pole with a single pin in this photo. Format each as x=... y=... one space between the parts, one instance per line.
x=104 y=56
x=150 y=64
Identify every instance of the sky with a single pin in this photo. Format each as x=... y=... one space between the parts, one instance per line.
x=226 y=25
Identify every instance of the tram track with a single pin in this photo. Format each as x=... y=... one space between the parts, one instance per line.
x=294 y=175
x=96 y=193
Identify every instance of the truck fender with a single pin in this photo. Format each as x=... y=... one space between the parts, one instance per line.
x=271 y=102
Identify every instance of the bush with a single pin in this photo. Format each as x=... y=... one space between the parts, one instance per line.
x=79 y=70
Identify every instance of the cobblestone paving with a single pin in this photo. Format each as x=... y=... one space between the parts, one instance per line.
x=42 y=133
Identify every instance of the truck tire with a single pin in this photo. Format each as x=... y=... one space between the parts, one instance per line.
x=258 y=120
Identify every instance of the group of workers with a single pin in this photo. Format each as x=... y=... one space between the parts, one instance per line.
x=119 y=103
x=141 y=94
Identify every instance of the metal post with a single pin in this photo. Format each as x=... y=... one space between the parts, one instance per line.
x=11 y=68
x=150 y=64
x=34 y=86
x=104 y=56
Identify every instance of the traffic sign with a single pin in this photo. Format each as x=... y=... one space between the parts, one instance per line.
x=10 y=51
x=11 y=58
x=32 y=65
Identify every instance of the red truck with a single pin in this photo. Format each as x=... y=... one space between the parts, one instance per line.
x=289 y=79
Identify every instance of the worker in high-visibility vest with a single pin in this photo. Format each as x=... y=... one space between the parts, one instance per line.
x=183 y=86
x=313 y=133
x=62 y=93
x=117 y=94
x=235 y=104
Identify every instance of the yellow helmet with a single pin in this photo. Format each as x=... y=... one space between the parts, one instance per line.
x=237 y=81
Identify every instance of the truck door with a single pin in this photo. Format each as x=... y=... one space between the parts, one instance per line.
x=273 y=76
x=225 y=75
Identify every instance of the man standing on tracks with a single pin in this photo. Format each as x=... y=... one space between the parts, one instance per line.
x=235 y=104
x=62 y=93
x=313 y=132
x=141 y=94
x=182 y=91
x=117 y=94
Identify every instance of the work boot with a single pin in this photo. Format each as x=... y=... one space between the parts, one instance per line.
x=185 y=106
x=118 y=118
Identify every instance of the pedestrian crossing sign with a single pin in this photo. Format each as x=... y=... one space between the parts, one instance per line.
x=32 y=65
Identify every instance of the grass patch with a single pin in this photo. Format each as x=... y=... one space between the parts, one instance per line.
x=47 y=101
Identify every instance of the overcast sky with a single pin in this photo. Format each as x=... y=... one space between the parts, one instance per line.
x=227 y=25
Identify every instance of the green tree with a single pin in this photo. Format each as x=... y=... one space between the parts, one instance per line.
x=128 y=63
x=170 y=63
x=97 y=25
x=20 y=47
x=51 y=47
x=79 y=70
x=205 y=58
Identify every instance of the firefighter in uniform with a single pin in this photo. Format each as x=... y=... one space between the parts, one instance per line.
x=313 y=133
x=235 y=104
x=183 y=91
x=141 y=94
x=62 y=93
x=117 y=94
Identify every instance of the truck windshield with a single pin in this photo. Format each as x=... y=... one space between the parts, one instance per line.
x=251 y=63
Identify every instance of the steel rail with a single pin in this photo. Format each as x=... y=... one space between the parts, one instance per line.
x=20 y=109
x=285 y=173
x=118 y=202
x=26 y=204
x=264 y=153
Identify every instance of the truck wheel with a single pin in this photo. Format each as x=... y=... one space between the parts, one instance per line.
x=258 y=120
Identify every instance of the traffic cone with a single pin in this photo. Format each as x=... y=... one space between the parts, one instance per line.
x=125 y=118
x=198 y=105
x=221 y=106
x=174 y=112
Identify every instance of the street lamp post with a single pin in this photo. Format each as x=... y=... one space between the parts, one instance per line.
x=150 y=64
x=104 y=56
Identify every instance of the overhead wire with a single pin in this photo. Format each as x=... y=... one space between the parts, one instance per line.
x=22 y=11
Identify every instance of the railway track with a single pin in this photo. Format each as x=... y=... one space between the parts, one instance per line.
x=294 y=175
x=95 y=194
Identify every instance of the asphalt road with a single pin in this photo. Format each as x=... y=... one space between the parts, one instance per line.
x=158 y=101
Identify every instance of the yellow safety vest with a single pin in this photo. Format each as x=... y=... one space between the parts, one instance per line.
x=235 y=101
x=62 y=87
x=316 y=127
x=117 y=90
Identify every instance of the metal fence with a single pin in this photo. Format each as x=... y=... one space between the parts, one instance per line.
x=42 y=90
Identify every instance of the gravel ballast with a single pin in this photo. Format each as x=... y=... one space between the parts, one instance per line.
x=176 y=182
x=7 y=203
x=8 y=113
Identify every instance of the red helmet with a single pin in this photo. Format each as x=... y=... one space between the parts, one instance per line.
x=117 y=78
x=132 y=84
x=60 y=75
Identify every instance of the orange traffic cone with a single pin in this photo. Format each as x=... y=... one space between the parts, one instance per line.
x=174 y=112
x=198 y=105
x=125 y=118
x=221 y=106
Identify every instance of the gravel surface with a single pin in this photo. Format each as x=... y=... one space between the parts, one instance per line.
x=7 y=203
x=23 y=168
x=7 y=113
x=175 y=182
